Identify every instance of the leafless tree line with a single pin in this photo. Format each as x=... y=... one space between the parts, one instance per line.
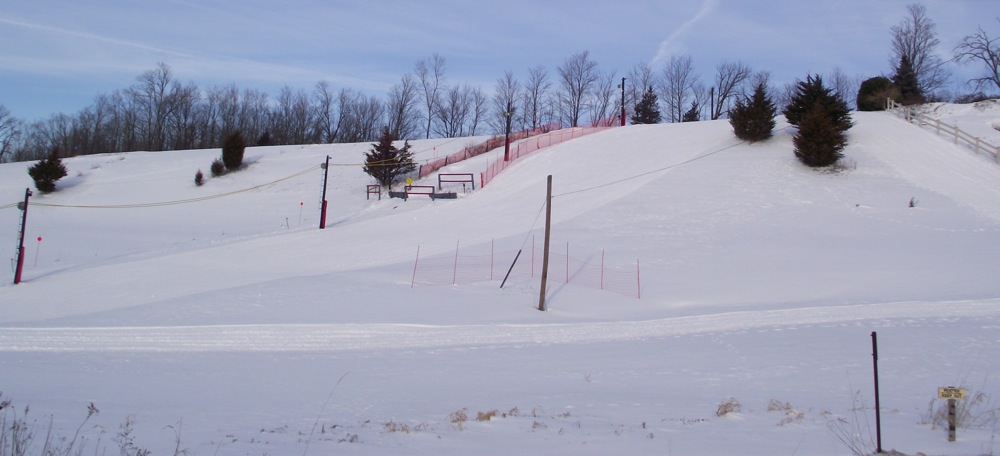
x=159 y=112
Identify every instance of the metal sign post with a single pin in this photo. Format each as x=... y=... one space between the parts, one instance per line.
x=953 y=395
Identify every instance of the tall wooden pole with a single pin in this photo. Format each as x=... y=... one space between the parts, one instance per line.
x=545 y=249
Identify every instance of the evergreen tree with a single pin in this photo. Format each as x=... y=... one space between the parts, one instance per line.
x=233 y=147
x=385 y=162
x=905 y=80
x=753 y=119
x=873 y=93
x=693 y=114
x=819 y=141
x=47 y=171
x=812 y=91
x=647 y=111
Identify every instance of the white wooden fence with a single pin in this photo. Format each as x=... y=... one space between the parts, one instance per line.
x=977 y=144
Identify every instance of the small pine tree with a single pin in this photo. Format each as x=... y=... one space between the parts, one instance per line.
x=385 y=162
x=873 y=93
x=819 y=141
x=233 y=147
x=753 y=119
x=905 y=80
x=693 y=114
x=812 y=91
x=647 y=111
x=47 y=171
x=199 y=178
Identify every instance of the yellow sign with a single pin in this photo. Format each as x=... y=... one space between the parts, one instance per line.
x=951 y=392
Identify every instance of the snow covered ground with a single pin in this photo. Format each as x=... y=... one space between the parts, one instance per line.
x=233 y=325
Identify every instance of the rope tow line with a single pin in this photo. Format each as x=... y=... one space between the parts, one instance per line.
x=171 y=203
x=665 y=168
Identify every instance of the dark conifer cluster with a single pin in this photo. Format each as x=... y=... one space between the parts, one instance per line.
x=753 y=119
x=822 y=117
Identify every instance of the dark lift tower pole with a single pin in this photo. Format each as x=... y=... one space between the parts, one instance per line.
x=20 y=241
x=322 y=212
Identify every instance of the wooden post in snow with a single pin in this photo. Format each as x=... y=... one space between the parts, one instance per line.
x=545 y=248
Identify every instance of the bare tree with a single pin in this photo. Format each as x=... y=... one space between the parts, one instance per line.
x=980 y=48
x=401 y=108
x=154 y=96
x=325 y=117
x=479 y=109
x=453 y=112
x=577 y=75
x=604 y=98
x=292 y=119
x=729 y=80
x=10 y=131
x=916 y=39
x=182 y=120
x=505 y=98
x=431 y=77
x=677 y=85
x=362 y=117
x=536 y=93
x=846 y=86
x=639 y=78
x=254 y=114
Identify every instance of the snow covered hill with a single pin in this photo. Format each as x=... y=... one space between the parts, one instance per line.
x=239 y=321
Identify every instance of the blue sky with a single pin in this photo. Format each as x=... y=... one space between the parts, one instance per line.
x=57 y=55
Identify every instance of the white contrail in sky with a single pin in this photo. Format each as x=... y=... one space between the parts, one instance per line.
x=670 y=46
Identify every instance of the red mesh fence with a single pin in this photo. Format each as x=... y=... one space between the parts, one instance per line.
x=526 y=147
x=430 y=167
x=462 y=268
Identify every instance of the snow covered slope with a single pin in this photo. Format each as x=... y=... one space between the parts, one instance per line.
x=761 y=280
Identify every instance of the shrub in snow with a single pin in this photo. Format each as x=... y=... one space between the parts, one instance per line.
x=874 y=92
x=233 y=147
x=218 y=168
x=728 y=406
x=47 y=171
x=199 y=178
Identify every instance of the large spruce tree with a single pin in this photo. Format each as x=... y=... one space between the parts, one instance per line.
x=812 y=91
x=819 y=141
x=385 y=162
x=647 y=111
x=753 y=119
x=905 y=80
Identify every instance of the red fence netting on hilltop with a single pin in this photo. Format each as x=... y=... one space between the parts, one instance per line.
x=528 y=146
x=430 y=167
